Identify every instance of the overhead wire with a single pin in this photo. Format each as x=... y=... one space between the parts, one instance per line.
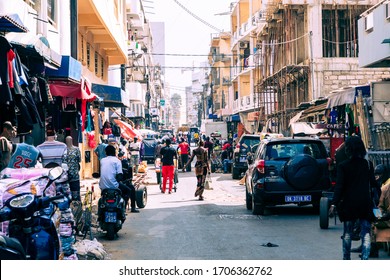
x=197 y=17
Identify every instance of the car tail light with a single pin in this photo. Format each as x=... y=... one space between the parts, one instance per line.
x=259 y=185
x=261 y=166
x=110 y=200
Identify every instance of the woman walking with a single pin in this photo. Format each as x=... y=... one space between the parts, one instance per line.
x=353 y=197
x=201 y=168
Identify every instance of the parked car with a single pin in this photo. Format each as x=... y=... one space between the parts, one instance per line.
x=286 y=171
x=246 y=144
x=149 y=148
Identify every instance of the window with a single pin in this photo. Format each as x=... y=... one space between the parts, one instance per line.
x=51 y=7
x=102 y=68
x=340 y=32
x=31 y=2
x=82 y=48
x=96 y=64
x=88 y=55
x=369 y=22
x=387 y=11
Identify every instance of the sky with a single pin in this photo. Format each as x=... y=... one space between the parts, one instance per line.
x=186 y=35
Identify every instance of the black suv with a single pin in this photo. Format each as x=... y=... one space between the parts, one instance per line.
x=247 y=143
x=287 y=170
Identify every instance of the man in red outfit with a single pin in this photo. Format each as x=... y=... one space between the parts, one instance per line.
x=184 y=151
x=168 y=154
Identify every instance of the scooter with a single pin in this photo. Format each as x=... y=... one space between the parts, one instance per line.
x=32 y=234
x=111 y=212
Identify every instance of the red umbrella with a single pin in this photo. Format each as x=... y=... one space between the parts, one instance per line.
x=127 y=131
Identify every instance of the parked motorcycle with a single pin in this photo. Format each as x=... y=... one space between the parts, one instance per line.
x=111 y=212
x=32 y=234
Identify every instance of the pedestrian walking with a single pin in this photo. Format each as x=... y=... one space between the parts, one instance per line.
x=168 y=154
x=184 y=152
x=352 y=195
x=134 y=148
x=202 y=168
x=209 y=145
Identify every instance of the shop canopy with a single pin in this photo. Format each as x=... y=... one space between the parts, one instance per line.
x=35 y=46
x=127 y=131
x=11 y=23
x=68 y=89
x=112 y=96
x=346 y=96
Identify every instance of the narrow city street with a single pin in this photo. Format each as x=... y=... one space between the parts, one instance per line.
x=179 y=227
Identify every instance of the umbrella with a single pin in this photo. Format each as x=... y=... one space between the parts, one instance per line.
x=127 y=131
x=147 y=132
x=11 y=23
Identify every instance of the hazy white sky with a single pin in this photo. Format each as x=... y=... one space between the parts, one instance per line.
x=186 y=35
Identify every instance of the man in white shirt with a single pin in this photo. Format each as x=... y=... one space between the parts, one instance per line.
x=111 y=174
x=134 y=148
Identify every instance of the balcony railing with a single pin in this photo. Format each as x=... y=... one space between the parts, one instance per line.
x=245 y=103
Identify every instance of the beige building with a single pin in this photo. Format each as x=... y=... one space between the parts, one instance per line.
x=287 y=53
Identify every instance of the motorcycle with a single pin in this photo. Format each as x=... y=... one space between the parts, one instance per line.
x=32 y=234
x=111 y=212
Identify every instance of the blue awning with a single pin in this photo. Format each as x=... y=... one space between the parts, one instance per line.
x=233 y=118
x=112 y=96
x=70 y=70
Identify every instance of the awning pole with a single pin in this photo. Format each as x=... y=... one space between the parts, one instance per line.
x=123 y=117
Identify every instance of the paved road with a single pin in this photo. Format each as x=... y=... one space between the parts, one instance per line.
x=179 y=227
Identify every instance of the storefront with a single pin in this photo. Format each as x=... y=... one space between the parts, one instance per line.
x=73 y=111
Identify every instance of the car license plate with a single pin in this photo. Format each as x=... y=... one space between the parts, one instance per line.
x=297 y=198
x=110 y=217
x=243 y=159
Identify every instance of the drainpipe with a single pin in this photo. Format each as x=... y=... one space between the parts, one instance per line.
x=73 y=28
x=312 y=65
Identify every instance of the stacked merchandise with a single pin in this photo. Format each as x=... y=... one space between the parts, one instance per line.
x=66 y=225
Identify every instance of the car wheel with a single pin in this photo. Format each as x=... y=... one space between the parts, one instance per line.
x=302 y=172
x=141 y=196
x=248 y=200
x=257 y=208
x=235 y=173
x=324 y=212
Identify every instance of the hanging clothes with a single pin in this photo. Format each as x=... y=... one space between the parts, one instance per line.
x=6 y=78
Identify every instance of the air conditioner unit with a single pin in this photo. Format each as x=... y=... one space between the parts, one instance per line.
x=243 y=45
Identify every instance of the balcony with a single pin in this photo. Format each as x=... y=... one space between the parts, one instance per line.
x=135 y=91
x=245 y=103
x=133 y=9
x=255 y=22
x=136 y=25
